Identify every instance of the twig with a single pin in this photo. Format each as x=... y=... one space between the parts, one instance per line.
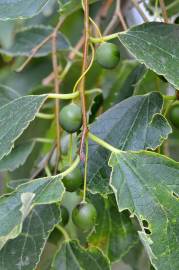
x=40 y=45
x=122 y=21
x=142 y=14
x=56 y=87
x=164 y=11
x=82 y=84
x=114 y=18
x=71 y=56
x=43 y=163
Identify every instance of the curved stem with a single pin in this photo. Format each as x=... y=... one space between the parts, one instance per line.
x=105 y=38
x=103 y=143
x=71 y=168
x=64 y=96
x=73 y=95
x=43 y=140
x=63 y=231
x=169 y=97
x=86 y=71
x=45 y=116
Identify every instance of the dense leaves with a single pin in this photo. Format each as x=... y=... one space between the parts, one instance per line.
x=133 y=124
x=28 y=38
x=15 y=117
x=17 y=157
x=7 y=94
x=17 y=9
x=26 y=249
x=151 y=44
x=114 y=232
x=73 y=256
x=22 y=200
x=147 y=185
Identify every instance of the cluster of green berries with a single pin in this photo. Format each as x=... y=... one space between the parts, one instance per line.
x=84 y=214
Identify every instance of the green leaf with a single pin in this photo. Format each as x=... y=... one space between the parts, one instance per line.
x=148 y=185
x=12 y=9
x=7 y=94
x=114 y=232
x=73 y=256
x=69 y=6
x=149 y=82
x=156 y=45
x=15 y=207
x=24 y=252
x=124 y=86
x=28 y=38
x=15 y=117
x=17 y=157
x=133 y=124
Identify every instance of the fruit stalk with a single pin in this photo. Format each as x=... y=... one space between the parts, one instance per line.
x=82 y=84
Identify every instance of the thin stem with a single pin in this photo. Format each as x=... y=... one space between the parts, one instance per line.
x=72 y=95
x=63 y=96
x=70 y=148
x=96 y=27
x=86 y=71
x=71 y=168
x=103 y=143
x=164 y=11
x=85 y=172
x=45 y=116
x=82 y=84
x=43 y=163
x=40 y=45
x=169 y=97
x=105 y=38
x=63 y=231
x=47 y=171
x=122 y=21
x=113 y=21
x=142 y=14
x=33 y=53
x=43 y=140
x=56 y=87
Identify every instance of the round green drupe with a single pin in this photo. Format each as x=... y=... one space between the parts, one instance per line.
x=108 y=55
x=174 y=115
x=73 y=180
x=84 y=216
x=64 y=215
x=71 y=118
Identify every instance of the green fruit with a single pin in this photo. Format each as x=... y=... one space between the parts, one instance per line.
x=108 y=55
x=71 y=118
x=174 y=115
x=73 y=180
x=84 y=216
x=64 y=215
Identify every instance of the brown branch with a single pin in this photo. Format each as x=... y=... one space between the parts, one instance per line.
x=43 y=163
x=40 y=45
x=114 y=20
x=164 y=11
x=142 y=14
x=47 y=80
x=56 y=88
x=122 y=21
x=82 y=83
